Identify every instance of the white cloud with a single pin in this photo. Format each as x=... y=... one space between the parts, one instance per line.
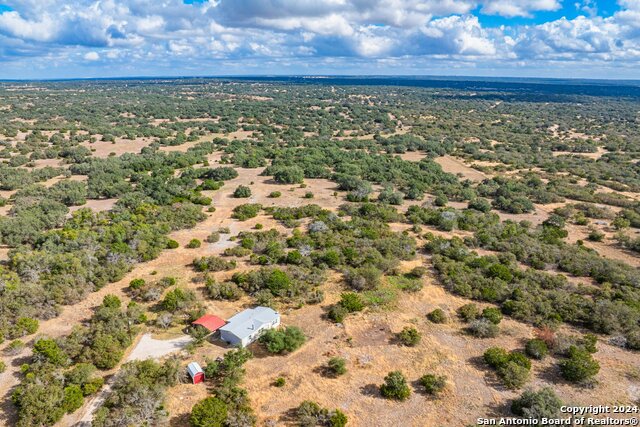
x=342 y=31
x=92 y=56
x=511 y=8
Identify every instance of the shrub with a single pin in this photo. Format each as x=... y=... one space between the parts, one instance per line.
x=136 y=283
x=338 y=419
x=351 y=301
x=468 y=312
x=111 y=301
x=310 y=414
x=3 y=366
x=279 y=382
x=308 y=195
x=73 y=398
x=288 y=175
x=395 y=386
x=492 y=314
x=433 y=384
x=284 y=340
x=223 y=291
x=209 y=412
x=242 y=192
x=25 y=326
x=246 y=211
x=213 y=237
x=536 y=349
x=512 y=368
x=480 y=204
x=579 y=366
x=417 y=272
x=496 y=357
x=194 y=244
x=483 y=328
x=409 y=336
x=172 y=244
x=336 y=366
x=275 y=194
x=437 y=316
x=537 y=405
x=337 y=313
x=513 y=375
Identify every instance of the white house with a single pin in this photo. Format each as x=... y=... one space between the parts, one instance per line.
x=245 y=327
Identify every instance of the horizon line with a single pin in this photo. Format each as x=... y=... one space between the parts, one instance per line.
x=321 y=76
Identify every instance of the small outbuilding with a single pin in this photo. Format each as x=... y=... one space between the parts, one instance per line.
x=209 y=322
x=195 y=372
x=245 y=327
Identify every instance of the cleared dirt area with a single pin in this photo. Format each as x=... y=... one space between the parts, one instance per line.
x=455 y=166
x=152 y=348
x=104 y=149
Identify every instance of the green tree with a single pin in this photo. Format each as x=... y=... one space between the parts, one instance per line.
x=209 y=412
x=395 y=386
x=580 y=366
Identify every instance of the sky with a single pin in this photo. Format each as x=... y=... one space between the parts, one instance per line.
x=50 y=39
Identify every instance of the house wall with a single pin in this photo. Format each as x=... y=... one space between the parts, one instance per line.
x=235 y=340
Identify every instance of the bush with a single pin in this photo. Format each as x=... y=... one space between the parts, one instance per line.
x=210 y=412
x=336 y=366
x=172 y=244
x=409 y=336
x=338 y=419
x=284 y=340
x=512 y=368
x=246 y=211
x=288 y=175
x=537 y=405
x=337 y=313
x=483 y=328
x=433 y=384
x=468 y=312
x=194 y=244
x=580 y=366
x=496 y=357
x=242 y=192
x=3 y=366
x=480 y=204
x=275 y=194
x=136 y=284
x=73 y=398
x=279 y=382
x=536 y=349
x=25 y=326
x=395 y=386
x=492 y=314
x=437 y=316
x=513 y=375
x=223 y=291
x=213 y=237
x=351 y=301
x=417 y=272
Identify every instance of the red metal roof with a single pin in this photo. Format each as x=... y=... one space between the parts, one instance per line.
x=211 y=322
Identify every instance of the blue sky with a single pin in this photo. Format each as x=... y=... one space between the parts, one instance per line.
x=119 y=38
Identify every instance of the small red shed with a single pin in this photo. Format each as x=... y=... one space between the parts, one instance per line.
x=210 y=322
x=195 y=372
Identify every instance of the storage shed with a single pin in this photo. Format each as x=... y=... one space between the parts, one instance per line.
x=245 y=327
x=195 y=372
x=209 y=322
